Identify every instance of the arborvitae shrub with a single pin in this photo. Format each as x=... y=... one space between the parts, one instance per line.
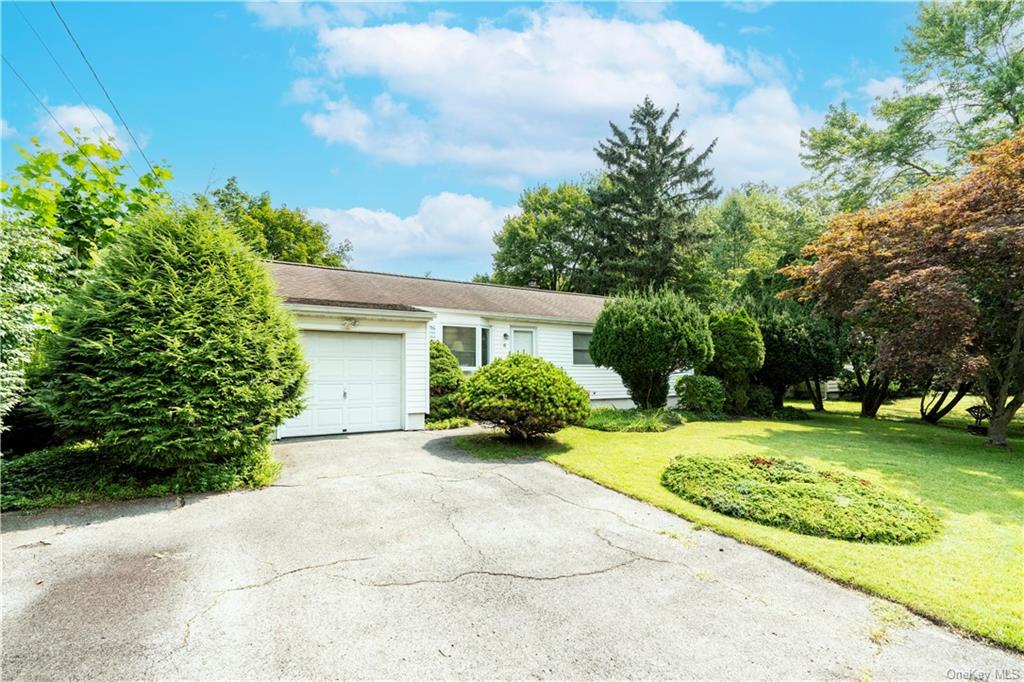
x=176 y=351
x=446 y=378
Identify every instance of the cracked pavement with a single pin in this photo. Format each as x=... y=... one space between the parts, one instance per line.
x=397 y=555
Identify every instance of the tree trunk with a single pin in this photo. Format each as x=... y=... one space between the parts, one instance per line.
x=1001 y=417
x=778 y=396
x=814 y=390
x=876 y=388
x=939 y=408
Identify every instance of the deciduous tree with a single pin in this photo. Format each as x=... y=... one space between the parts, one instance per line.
x=550 y=244
x=963 y=73
x=933 y=285
x=279 y=233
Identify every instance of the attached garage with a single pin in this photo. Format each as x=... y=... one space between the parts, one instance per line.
x=355 y=384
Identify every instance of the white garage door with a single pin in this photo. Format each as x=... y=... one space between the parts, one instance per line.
x=355 y=384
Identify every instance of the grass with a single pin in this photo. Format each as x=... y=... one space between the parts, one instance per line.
x=75 y=474
x=968 y=575
x=634 y=420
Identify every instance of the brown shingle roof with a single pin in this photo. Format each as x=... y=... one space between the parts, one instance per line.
x=357 y=288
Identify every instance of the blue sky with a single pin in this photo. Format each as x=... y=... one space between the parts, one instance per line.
x=411 y=129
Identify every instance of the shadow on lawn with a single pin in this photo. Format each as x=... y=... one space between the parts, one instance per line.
x=492 y=446
x=957 y=472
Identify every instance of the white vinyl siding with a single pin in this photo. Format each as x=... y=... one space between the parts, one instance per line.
x=555 y=344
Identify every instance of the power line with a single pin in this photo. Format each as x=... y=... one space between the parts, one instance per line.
x=77 y=91
x=102 y=87
x=28 y=87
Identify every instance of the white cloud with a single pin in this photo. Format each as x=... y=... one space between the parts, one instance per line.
x=91 y=122
x=750 y=30
x=518 y=104
x=445 y=225
x=758 y=139
x=532 y=101
x=882 y=88
x=6 y=129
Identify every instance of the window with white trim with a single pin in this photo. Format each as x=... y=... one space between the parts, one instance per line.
x=462 y=342
x=581 y=348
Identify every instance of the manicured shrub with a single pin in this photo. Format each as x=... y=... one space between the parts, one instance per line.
x=738 y=352
x=646 y=337
x=759 y=402
x=450 y=423
x=175 y=352
x=524 y=395
x=446 y=379
x=792 y=495
x=700 y=393
x=634 y=421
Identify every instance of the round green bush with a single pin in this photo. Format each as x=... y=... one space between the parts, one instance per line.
x=176 y=351
x=794 y=496
x=446 y=379
x=760 y=402
x=645 y=337
x=739 y=351
x=701 y=394
x=524 y=395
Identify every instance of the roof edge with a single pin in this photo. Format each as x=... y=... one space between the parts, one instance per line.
x=434 y=279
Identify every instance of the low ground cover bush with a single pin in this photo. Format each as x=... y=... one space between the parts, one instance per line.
x=446 y=379
x=524 y=395
x=700 y=394
x=77 y=473
x=634 y=420
x=450 y=423
x=792 y=495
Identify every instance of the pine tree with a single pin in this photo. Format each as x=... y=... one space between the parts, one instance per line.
x=644 y=208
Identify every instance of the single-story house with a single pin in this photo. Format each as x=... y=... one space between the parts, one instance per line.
x=366 y=334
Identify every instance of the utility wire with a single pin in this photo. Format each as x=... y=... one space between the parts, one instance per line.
x=102 y=87
x=78 y=92
x=28 y=87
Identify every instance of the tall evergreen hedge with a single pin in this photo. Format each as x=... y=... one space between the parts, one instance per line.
x=175 y=351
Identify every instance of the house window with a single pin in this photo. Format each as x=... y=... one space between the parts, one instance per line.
x=462 y=342
x=581 y=348
x=485 y=345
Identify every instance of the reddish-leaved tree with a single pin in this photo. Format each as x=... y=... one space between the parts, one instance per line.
x=933 y=285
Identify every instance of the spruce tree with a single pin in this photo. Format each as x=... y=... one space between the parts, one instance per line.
x=645 y=205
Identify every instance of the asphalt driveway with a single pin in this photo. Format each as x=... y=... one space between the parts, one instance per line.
x=398 y=556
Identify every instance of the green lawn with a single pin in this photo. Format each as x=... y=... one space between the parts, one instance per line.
x=969 y=575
